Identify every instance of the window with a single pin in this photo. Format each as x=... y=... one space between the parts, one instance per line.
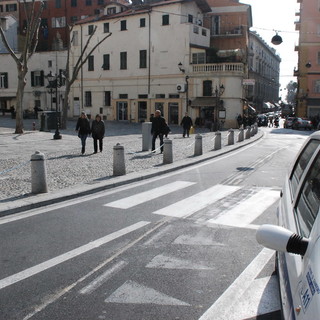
x=309 y=201
x=111 y=10
x=90 y=29
x=91 y=63
x=142 y=22
x=96 y=11
x=88 y=99
x=106 y=62
x=73 y=19
x=123 y=60
x=106 y=27
x=1 y=8
x=74 y=3
x=215 y=25
x=58 y=4
x=49 y=63
x=123 y=25
x=143 y=59
x=3 y=80
x=302 y=163
x=195 y=29
x=198 y=58
x=204 y=32
x=37 y=78
x=75 y=38
x=190 y=18
x=11 y=7
x=160 y=96
x=316 y=87
x=142 y=96
x=123 y=96
x=100 y=2
x=165 y=19
x=159 y=106
x=88 y=2
x=107 y=98
x=207 y=88
x=58 y=22
x=142 y=111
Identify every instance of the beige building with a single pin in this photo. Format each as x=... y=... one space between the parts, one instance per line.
x=156 y=58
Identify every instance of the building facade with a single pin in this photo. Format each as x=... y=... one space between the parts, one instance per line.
x=165 y=67
x=308 y=71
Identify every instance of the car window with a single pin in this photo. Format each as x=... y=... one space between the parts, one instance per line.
x=301 y=163
x=309 y=200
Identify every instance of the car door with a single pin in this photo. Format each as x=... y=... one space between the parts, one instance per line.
x=304 y=270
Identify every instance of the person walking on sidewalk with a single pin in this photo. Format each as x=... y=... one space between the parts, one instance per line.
x=97 y=131
x=158 y=128
x=186 y=123
x=83 y=128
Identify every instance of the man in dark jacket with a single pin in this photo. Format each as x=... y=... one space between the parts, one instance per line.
x=158 y=128
x=83 y=128
x=97 y=131
x=186 y=122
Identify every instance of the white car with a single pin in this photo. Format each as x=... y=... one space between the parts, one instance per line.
x=297 y=236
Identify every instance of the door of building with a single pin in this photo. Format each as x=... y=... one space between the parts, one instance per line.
x=122 y=110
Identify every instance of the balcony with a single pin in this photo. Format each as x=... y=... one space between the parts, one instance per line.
x=229 y=31
x=226 y=68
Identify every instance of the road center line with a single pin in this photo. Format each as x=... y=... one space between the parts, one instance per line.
x=69 y=255
x=220 y=309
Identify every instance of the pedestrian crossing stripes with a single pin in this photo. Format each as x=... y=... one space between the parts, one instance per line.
x=129 y=202
x=249 y=205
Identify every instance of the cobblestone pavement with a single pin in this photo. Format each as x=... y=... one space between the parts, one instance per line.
x=66 y=167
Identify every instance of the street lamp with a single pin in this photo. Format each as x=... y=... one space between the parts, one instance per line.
x=187 y=85
x=54 y=84
x=218 y=92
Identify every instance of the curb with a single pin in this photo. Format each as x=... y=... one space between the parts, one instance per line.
x=41 y=200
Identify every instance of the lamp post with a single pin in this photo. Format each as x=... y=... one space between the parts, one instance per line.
x=54 y=84
x=187 y=84
x=218 y=92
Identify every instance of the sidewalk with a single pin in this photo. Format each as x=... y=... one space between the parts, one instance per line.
x=70 y=174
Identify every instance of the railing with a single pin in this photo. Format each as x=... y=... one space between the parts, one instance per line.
x=218 y=67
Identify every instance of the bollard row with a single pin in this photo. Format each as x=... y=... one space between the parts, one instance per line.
x=39 y=172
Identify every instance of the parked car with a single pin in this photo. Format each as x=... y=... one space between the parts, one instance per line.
x=288 y=122
x=297 y=236
x=301 y=123
x=262 y=120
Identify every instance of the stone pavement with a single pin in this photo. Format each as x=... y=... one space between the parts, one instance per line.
x=70 y=174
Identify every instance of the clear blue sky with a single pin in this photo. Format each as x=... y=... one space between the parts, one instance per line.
x=279 y=15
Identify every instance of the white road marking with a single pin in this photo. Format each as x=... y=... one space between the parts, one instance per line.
x=261 y=297
x=220 y=310
x=199 y=201
x=247 y=211
x=133 y=292
x=96 y=283
x=69 y=255
x=166 y=262
x=129 y=202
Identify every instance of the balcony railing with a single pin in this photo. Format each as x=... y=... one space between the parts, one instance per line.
x=218 y=68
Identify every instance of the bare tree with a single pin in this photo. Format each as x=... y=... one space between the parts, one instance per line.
x=70 y=77
x=33 y=14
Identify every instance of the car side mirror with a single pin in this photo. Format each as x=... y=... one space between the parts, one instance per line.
x=281 y=239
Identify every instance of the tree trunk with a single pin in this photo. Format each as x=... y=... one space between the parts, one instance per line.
x=19 y=106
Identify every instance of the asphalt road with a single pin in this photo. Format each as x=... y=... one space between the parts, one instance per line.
x=179 y=246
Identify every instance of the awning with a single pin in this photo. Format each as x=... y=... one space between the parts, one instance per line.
x=230 y=53
x=204 y=102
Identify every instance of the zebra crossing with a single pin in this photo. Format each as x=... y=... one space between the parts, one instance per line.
x=220 y=205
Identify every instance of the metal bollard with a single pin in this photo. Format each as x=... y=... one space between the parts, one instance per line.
x=217 y=141
x=146 y=136
x=252 y=131
x=230 y=137
x=241 y=135
x=198 y=145
x=248 y=133
x=38 y=173
x=167 y=151
x=119 y=167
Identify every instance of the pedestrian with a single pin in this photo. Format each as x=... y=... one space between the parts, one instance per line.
x=186 y=123
x=83 y=128
x=97 y=131
x=240 y=121
x=158 y=129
